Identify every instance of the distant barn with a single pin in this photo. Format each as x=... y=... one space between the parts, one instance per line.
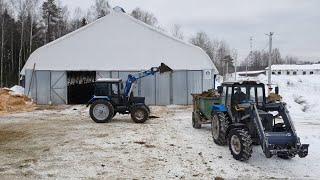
x=293 y=69
x=63 y=71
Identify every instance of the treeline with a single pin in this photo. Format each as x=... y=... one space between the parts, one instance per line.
x=258 y=60
x=26 y=25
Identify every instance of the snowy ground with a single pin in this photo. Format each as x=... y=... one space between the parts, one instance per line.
x=65 y=143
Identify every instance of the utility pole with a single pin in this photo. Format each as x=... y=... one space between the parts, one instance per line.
x=235 y=68
x=250 y=55
x=227 y=60
x=270 y=58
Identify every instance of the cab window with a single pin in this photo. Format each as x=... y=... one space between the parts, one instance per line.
x=260 y=95
x=115 y=89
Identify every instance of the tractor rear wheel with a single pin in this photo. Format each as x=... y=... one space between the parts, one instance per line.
x=240 y=144
x=140 y=114
x=195 y=120
x=101 y=111
x=219 y=125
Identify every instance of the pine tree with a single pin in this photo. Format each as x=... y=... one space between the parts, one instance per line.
x=51 y=16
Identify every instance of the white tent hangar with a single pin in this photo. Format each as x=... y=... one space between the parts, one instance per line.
x=113 y=47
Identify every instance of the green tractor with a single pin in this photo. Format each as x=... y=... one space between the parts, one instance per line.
x=245 y=117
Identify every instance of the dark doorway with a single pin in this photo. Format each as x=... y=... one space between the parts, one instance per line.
x=80 y=86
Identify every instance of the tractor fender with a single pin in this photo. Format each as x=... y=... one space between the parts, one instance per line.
x=92 y=100
x=219 y=108
x=139 y=105
x=236 y=126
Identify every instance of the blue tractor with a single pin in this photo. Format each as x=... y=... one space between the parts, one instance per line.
x=245 y=117
x=110 y=98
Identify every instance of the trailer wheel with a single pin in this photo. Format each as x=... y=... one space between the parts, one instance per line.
x=101 y=111
x=195 y=120
x=140 y=114
x=240 y=144
x=219 y=125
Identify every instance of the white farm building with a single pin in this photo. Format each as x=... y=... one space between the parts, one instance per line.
x=63 y=71
x=294 y=69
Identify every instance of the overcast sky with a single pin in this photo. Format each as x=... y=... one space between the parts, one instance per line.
x=296 y=23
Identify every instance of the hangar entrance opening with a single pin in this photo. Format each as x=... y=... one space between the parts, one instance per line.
x=80 y=86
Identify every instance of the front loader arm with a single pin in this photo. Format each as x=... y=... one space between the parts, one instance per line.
x=132 y=79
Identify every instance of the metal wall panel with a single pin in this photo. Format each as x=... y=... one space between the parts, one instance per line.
x=195 y=83
x=208 y=83
x=163 y=89
x=59 y=85
x=28 y=85
x=115 y=74
x=179 y=88
x=148 y=89
x=43 y=87
x=103 y=74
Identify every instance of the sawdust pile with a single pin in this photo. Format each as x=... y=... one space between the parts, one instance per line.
x=11 y=102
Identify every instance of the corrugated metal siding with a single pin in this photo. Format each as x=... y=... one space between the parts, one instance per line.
x=148 y=89
x=195 y=83
x=59 y=91
x=208 y=83
x=179 y=88
x=43 y=87
x=115 y=74
x=163 y=89
x=103 y=74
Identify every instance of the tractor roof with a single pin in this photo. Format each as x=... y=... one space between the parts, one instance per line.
x=251 y=83
x=109 y=80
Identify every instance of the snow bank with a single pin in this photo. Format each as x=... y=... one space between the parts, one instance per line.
x=17 y=90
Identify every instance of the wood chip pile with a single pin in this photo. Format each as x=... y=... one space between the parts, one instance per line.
x=11 y=102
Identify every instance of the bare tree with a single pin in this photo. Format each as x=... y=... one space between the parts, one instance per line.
x=100 y=8
x=177 y=32
x=144 y=16
x=31 y=8
x=2 y=9
x=21 y=8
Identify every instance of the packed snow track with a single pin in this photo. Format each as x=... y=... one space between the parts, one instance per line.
x=63 y=142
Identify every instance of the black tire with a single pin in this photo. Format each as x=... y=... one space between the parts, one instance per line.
x=240 y=144
x=140 y=114
x=195 y=120
x=103 y=117
x=219 y=126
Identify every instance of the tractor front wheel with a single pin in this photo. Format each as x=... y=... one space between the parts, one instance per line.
x=240 y=144
x=139 y=114
x=101 y=111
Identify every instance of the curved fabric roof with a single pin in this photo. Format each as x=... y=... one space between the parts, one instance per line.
x=117 y=42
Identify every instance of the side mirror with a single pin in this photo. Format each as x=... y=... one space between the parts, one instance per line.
x=276 y=90
x=220 y=89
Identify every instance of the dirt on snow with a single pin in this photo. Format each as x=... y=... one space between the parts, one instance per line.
x=64 y=142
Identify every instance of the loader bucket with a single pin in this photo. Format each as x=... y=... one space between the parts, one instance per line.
x=164 y=68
